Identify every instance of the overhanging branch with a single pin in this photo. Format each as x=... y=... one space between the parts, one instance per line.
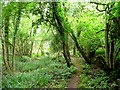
x=98 y=5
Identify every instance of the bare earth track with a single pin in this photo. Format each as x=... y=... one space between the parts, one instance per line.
x=73 y=83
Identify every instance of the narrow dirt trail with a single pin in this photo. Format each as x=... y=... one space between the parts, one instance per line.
x=73 y=83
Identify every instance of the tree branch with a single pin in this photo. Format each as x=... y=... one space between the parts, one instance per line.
x=97 y=3
x=100 y=31
x=100 y=4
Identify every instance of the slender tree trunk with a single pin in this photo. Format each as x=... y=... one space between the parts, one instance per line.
x=6 y=36
x=32 y=43
x=31 y=50
x=65 y=54
x=31 y=47
x=14 y=38
x=38 y=50
x=74 y=50
x=22 y=49
x=88 y=50
x=112 y=54
x=107 y=45
x=4 y=52
x=13 y=57
x=62 y=32
x=67 y=47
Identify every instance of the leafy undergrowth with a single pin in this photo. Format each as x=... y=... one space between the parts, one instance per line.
x=45 y=72
x=93 y=77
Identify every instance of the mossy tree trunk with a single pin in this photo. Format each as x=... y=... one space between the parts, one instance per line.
x=17 y=22
x=63 y=34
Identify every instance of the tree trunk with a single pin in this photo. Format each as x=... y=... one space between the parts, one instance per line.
x=80 y=49
x=111 y=56
x=67 y=58
x=74 y=50
x=14 y=38
x=67 y=47
x=6 y=39
x=63 y=34
x=31 y=50
x=32 y=43
x=107 y=45
x=4 y=52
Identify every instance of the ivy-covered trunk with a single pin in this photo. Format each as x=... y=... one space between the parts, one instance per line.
x=63 y=33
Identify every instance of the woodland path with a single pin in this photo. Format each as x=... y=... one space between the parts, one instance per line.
x=73 y=83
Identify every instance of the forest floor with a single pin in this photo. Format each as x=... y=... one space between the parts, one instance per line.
x=74 y=82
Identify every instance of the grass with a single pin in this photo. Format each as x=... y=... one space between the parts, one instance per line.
x=42 y=73
x=52 y=72
x=95 y=79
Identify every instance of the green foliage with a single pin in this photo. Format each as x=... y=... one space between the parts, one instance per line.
x=32 y=64
x=56 y=47
x=100 y=52
x=97 y=79
x=26 y=80
x=118 y=57
x=42 y=73
x=38 y=32
x=66 y=74
x=24 y=58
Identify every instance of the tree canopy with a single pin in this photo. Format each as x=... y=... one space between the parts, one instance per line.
x=89 y=31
